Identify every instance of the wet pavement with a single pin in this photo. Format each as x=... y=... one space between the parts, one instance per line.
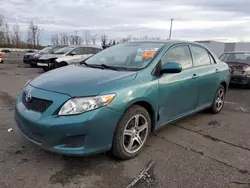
x=203 y=150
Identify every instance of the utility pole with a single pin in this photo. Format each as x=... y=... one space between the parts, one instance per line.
x=170 y=31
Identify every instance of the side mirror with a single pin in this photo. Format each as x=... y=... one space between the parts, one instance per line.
x=171 y=67
x=72 y=53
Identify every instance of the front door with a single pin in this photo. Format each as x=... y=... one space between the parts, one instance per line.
x=178 y=93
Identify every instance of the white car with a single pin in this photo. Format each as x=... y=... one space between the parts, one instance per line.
x=1 y=60
x=66 y=56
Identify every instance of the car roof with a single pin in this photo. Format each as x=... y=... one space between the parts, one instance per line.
x=235 y=52
x=166 y=42
x=90 y=46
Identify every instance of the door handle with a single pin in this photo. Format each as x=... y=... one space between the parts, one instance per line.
x=195 y=76
x=217 y=71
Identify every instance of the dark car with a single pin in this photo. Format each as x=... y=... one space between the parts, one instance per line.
x=6 y=51
x=239 y=63
x=33 y=59
x=26 y=57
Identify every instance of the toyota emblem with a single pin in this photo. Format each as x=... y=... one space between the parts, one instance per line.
x=28 y=97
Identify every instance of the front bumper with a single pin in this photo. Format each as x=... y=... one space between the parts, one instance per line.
x=33 y=61
x=46 y=63
x=85 y=134
x=239 y=79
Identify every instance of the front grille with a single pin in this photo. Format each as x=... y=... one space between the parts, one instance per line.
x=37 y=137
x=36 y=104
x=73 y=141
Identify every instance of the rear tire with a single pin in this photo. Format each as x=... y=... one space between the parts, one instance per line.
x=131 y=133
x=218 y=101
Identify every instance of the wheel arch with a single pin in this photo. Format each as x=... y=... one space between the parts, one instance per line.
x=224 y=84
x=150 y=109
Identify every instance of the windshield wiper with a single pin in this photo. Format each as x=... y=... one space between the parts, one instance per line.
x=109 y=67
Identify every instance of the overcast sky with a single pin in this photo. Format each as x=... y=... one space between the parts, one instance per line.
x=193 y=19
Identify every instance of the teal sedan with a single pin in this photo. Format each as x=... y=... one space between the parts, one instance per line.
x=116 y=98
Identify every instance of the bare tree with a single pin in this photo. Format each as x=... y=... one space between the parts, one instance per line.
x=93 y=38
x=34 y=34
x=75 y=40
x=7 y=35
x=64 y=39
x=55 y=39
x=87 y=37
x=79 y=40
x=16 y=35
x=72 y=40
x=104 y=39
x=2 y=29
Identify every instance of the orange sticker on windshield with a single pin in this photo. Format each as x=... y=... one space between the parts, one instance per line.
x=148 y=55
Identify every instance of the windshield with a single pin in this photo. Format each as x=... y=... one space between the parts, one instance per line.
x=45 y=50
x=64 y=50
x=127 y=56
x=236 y=58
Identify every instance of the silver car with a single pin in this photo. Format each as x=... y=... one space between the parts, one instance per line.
x=66 y=56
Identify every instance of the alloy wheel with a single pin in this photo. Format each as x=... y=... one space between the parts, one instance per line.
x=135 y=133
x=219 y=99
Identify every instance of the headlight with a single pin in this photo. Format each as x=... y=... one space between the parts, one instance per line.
x=76 y=106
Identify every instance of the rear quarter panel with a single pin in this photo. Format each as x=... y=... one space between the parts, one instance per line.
x=224 y=73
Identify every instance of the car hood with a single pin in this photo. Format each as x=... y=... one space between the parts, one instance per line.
x=78 y=80
x=69 y=58
x=238 y=66
x=50 y=56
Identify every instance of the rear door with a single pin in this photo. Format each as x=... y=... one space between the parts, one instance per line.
x=208 y=73
x=87 y=52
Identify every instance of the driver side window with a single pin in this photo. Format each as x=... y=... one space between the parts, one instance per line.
x=179 y=54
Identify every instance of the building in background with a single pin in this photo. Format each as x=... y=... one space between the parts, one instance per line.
x=219 y=48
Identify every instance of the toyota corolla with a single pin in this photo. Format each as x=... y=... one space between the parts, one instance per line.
x=116 y=98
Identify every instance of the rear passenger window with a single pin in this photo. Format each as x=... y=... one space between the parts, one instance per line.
x=179 y=54
x=201 y=56
x=77 y=51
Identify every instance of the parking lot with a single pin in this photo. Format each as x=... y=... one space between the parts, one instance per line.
x=203 y=150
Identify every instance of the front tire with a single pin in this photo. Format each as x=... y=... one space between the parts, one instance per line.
x=218 y=101
x=62 y=64
x=131 y=133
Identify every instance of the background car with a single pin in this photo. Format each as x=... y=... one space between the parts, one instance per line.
x=239 y=63
x=27 y=55
x=1 y=59
x=33 y=59
x=65 y=56
x=81 y=53
x=117 y=97
x=6 y=51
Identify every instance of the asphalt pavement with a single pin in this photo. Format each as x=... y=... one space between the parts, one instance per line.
x=202 y=150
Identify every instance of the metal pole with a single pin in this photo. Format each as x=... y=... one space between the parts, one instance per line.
x=170 y=32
